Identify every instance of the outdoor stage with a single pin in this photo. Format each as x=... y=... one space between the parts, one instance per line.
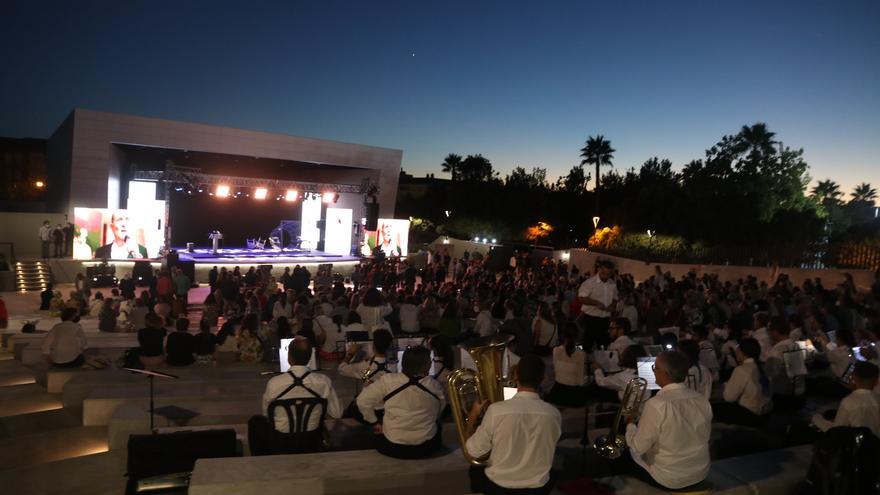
x=244 y=256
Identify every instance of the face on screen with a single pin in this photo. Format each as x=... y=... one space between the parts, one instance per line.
x=119 y=226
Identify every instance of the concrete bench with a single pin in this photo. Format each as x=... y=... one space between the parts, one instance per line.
x=352 y=472
x=772 y=472
x=20 y=342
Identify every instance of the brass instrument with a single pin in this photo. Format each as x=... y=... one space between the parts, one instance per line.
x=611 y=446
x=483 y=384
x=369 y=373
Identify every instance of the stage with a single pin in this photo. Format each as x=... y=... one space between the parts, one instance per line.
x=248 y=257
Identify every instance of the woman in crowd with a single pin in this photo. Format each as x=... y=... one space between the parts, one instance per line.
x=747 y=395
x=429 y=315
x=699 y=376
x=569 y=364
x=96 y=304
x=373 y=310
x=227 y=343
x=107 y=316
x=544 y=330
x=204 y=343
x=249 y=345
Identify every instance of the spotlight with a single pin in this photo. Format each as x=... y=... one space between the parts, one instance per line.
x=328 y=197
x=291 y=195
x=222 y=191
x=261 y=193
x=39 y=184
x=494 y=241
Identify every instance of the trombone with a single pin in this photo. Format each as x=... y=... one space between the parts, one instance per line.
x=612 y=445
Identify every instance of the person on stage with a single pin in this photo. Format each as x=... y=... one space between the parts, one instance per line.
x=413 y=402
x=518 y=434
x=122 y=246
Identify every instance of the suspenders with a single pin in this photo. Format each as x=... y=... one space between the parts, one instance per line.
x=298 y=382
x=413 y=382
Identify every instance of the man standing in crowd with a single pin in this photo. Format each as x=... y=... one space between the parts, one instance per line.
x=598 y=295
x=46 y=238
x=518 y=434
x=181 y=288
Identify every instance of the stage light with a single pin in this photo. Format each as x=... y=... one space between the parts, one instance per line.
x=328 y=197
x=222 y=191
x=261 y=193
x=291 y=195
x=39 y=184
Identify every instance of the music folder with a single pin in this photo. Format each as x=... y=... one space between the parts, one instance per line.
x=644 y=369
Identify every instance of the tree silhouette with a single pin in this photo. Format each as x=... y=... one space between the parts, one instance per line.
x=598 y=152
x=864 y=192
x=518 y=177
x=827 y=192
x=476 y=168
x=575 y=182
x=452 y=165
x=756 y=141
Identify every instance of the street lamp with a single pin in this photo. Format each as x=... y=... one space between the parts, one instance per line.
x=595 y=222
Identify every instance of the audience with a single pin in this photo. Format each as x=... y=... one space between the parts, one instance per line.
x=151 y=340
x=180 y=347
x=65 y=343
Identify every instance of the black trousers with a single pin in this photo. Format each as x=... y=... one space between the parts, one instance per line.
x=600 y=467
x=567 y=395
x=480 y=483
x=265 y=440
x=735 y=414
x=595 y=331
x=400 y=451
x=76 y=363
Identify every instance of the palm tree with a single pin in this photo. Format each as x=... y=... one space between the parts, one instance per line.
x=864 y=192
x=757 y=140
x=452 y=165
x=827 y=191
x=598 y=151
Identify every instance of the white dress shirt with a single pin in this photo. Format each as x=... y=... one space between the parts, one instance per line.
x=356 y=370
x=616 y=381
x=520 y=436
x=744 y=388
x=64 y=342
x=861 y=408
x=604 y=292
x=700 y=380
x=318 y=382
x=570 y=370
x=620 y=344
x=410 y=415
x=373 y=317
x=671 y=440
x=409 y=318
x=323 y=325
x=709 y=359
x=483 y=325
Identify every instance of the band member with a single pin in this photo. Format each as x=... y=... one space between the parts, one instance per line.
x=861 y=408
x=670 y=444
x=376 y=364
x=598 y=295
x=747 y=395
x=519 y=435
x=413 y=401
x=298 y=382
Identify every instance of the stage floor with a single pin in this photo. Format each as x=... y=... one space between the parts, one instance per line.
x=260 y=256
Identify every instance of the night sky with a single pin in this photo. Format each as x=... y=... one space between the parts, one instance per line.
x=523 y=83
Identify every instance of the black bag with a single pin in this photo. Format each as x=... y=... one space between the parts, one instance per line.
x=846 y=461
x=131 y=359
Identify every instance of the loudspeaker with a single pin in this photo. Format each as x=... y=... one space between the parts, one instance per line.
x=154 y=455
x=141 y=272
x=372 y=216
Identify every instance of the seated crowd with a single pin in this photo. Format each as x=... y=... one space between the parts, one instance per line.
x=731 y=352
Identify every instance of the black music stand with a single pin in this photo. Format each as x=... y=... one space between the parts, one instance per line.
x=152 y=374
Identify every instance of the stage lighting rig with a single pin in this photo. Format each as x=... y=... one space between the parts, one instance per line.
x=261 y=193
x=291 y=195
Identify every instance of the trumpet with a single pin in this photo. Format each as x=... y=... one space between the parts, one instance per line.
x=483 y=384
x=611 y=446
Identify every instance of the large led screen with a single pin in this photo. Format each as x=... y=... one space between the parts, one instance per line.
x=119 y=234
x=337 y=234
x=391 y=237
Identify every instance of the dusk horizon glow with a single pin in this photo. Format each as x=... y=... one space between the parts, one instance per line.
x=521 y=85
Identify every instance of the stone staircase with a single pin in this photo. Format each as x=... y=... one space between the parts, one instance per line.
x=32 y=275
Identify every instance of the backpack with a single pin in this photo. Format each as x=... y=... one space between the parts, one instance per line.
x=845 y=462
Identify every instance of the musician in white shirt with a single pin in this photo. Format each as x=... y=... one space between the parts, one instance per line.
x=699 y=376
x=747 y=395
x=861 y=408
x=519 y=435
x=781 y=377
x=597 y=295
x=272 y=433
x=671 y=441
x=617 y=332
x=413 y=401
x=609 y=387
x=569 y=366
x=761 y=334
x=375 y=361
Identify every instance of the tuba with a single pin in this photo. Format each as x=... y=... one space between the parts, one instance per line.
x=466 y=386
x=611 y=446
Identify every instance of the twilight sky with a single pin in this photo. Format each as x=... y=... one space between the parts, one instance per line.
x=523 y=83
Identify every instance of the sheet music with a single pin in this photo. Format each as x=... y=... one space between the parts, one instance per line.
x=795 y=363
x=644 y=368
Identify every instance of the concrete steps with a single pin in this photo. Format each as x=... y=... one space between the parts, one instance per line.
x=33 y=449
x=32 y=275
x=26 y=398
x=97 y=474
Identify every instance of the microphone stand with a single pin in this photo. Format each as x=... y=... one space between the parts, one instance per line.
x=151 y=375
